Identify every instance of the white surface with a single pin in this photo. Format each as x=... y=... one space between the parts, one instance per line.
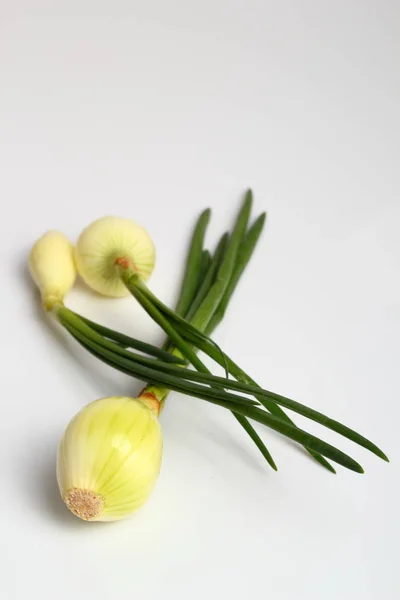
x=154 y=110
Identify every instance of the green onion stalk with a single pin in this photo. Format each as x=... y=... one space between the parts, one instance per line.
x=115 y=257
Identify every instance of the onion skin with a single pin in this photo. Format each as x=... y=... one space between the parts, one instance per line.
x=109 y=459
x=51 y=264
x=107 y=243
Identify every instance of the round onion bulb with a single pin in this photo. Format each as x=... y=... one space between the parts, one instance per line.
x=105 y=243
x=109 y=459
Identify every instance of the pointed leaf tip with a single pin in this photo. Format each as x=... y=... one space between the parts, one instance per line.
x=263 y=217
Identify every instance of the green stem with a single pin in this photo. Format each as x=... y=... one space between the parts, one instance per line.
x=144 y=373
x=203 y=342
x=77 y=326
x=204 y=313
x=272 y=399
x=208 y=279
x=188 y=353
x=194 y=263
x=234 y=403
x=267 y=402
x=245 y=253
x=230 y=268
x=129 y=342
x=205 y=287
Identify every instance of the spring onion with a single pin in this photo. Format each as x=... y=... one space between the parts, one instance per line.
x=104 y=472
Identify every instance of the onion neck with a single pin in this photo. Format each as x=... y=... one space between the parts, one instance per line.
x=126 y=270
x=51 y=301
x=150 y=396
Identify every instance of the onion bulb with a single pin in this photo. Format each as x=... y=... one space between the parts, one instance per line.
x=51 y=264
x=109 y=459
x=107 y=243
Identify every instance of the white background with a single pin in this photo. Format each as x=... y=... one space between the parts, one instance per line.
x=154 y=110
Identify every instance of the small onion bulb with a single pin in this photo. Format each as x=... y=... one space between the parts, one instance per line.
x=51 y=264
x=103 y=244
x=109 y=459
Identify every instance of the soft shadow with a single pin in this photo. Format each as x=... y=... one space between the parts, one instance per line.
x=42 y=489
x=242 y=449
x=39 y=483
x=217 y=438
x=47 y=495
x=81 y=287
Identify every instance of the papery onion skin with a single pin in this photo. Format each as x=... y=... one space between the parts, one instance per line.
x=102 y=246
x=52 y=266
x=109 y=459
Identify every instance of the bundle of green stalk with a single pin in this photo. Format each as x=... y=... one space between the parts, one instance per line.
x=110 y=455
